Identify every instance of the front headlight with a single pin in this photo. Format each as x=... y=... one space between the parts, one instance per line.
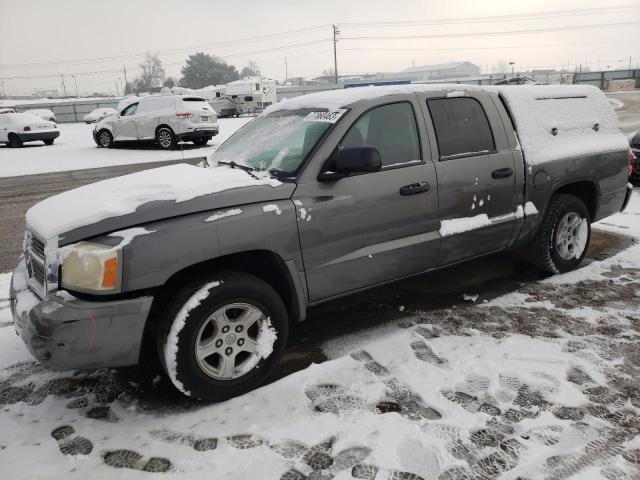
x=92 y=268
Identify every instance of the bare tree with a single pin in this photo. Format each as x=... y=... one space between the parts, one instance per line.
x=152 y=73
x=251 y=70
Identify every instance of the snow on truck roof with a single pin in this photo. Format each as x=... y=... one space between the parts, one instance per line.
x=552 y=121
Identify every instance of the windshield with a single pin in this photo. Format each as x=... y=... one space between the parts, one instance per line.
x=277 y=143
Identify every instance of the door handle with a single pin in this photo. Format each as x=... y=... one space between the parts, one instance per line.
x=414 y=189
x=502 y=173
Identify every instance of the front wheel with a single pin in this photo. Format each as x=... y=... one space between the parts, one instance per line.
x=166 y=138
x=105 y=139
x=48 y=141
x=14 y=141
x=562 y=239
x=223 y=336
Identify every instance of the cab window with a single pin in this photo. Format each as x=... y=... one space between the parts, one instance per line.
x=462 y=127
x=392 y=129
x=130 y=110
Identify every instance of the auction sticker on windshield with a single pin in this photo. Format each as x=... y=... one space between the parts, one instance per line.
x=330 y=117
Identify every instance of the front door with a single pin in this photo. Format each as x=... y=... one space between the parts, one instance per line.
x=124 y=126
x=367 y=229
x=476 y=177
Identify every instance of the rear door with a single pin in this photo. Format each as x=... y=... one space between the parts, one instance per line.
x=367 y=229
x=476 y=175
x=125 y=126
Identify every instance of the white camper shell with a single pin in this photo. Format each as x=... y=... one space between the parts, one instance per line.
x=252 y=94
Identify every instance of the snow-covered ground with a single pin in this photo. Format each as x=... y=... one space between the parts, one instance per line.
x=76 y=150
x=540 y=383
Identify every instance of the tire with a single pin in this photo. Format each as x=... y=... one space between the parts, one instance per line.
x=52 y=119
x=105 y=139
x=48 y=141
x=562 y=239
x=200 y=141
x=14 y=141
x=165 y=138
x=219 y=376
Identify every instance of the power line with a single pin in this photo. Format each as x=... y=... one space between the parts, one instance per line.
x=488 y=34
x=494 y=47
x=496 y=18
x=174 y=50
x=254 y=39
x=266 y=50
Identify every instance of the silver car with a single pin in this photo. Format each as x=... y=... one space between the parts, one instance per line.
x=163 y=119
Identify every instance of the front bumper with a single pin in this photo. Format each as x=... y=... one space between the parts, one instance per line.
x=67 y=333
x=34 y=136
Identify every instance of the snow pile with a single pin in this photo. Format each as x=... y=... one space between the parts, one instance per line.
x=272 y=208
x=267 y=337
x=228 y=213
x=171 y=348
x=460 y=225
x=530 y=208
x=581 y=117
x=123 y=195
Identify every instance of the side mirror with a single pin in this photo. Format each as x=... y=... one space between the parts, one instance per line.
x=353 y=160
x=358 y=160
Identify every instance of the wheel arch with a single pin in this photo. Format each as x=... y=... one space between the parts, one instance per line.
x=163 y=125
x=585 y=190
x=264 y=264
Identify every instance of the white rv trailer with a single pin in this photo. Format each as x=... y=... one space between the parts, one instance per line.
x=252 y=94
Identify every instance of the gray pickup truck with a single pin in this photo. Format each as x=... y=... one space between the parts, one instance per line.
x=319 y=197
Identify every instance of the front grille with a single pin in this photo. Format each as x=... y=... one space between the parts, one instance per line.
x=38 y=246
x=36 y=264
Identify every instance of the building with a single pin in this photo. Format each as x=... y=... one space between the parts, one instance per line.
x=439 y=72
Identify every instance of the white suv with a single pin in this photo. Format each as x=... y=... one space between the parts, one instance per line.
x=164 y=119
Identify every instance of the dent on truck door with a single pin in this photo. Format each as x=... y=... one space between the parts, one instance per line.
x=367 y=229
x=476 y=177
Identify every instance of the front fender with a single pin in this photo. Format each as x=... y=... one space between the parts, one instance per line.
x=180 y=242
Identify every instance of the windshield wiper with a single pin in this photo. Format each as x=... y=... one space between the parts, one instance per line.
x=247 y=169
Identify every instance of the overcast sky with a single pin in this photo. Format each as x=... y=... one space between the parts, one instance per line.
x=44 y=37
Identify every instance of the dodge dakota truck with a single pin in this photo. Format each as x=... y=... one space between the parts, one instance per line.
x=320 y=196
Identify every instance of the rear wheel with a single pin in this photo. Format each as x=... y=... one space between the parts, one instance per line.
x=200 y=141
x=563 y=237
x=48 y=141
x=166 y=138
x=223 y=336
x=14 y=140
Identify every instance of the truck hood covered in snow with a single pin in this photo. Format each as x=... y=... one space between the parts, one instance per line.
x=146 y=196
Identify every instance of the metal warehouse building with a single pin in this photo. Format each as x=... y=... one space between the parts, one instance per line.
x=440 y=71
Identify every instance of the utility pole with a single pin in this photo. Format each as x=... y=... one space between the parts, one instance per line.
x=336 y=31
x=629 y=62
x=126 y=82
x=286 y=71
x=64 y=87
x=513 y=68
x=76 y=84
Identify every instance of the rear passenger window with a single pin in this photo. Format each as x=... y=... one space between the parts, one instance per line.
x=391 y=129
x=461 y=127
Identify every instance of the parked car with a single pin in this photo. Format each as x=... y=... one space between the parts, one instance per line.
x=319 y=197
x=99 y=114
x=43 y=113
x=18 y=128
x=7 y=110
x=163 y=119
